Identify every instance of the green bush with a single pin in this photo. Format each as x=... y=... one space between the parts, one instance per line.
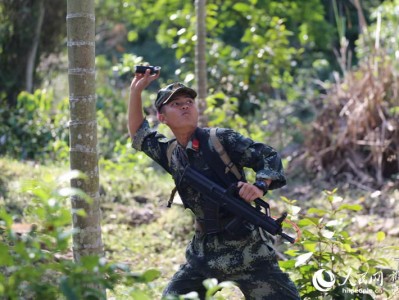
x=35 y=128
x=36 y=261
x=331 y=262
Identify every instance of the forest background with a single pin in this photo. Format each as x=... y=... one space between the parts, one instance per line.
x=317 y=80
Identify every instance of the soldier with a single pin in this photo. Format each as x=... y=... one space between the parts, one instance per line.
x=245 y=257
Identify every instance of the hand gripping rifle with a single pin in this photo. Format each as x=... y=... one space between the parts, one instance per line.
x=236 y=205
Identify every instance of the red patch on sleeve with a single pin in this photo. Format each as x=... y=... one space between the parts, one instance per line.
x=195 y=144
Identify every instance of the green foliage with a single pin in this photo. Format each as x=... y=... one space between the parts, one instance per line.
x=259 y=57
x=263 y=59
x=330 y=260
x=250 y=47
x=35 y=128
x=35 y=261
x=382 y=33
x=18 y=19
x=330 y=239
x=212 y=288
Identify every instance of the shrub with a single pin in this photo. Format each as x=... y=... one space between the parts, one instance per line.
x=331 y=262
x=34 y=128
x=36 y=261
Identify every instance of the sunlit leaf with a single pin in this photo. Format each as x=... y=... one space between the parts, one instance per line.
x=295 y=209
x=227 y=284
x=287 y=264
x=380 y=236
x=310 y=246
x=191 y=295
x=69 y=192
x=210 y=283
x=332 y=223
x=73 y=174
x=303 y=259
x=327 y=234
x=307 y=222
x=317 y=211
x=354 y=207
x=241 y=7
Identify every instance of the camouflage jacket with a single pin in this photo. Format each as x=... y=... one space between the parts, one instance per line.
x=244 y=152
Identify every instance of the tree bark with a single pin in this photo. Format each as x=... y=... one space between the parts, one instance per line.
x=83 y=126
x=200 y=59
x=33 y=50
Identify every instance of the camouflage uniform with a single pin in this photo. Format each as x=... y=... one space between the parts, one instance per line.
x=248 y=260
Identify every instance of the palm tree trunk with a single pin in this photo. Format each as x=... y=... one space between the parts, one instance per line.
x=200 y=59
x=83 y=126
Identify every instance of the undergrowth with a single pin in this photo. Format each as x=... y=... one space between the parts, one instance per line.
x=345 y=250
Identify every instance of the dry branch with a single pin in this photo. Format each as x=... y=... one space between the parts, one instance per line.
x=357 y=132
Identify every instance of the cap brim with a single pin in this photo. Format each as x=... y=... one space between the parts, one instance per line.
x=187 y=90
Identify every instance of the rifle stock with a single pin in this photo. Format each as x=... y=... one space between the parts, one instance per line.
x=236 y=205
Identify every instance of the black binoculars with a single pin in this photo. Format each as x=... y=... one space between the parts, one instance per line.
x=142 y=69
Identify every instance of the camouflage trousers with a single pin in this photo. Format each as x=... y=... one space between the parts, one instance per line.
x=249 y=261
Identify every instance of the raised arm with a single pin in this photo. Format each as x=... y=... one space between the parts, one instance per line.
x=135 y=113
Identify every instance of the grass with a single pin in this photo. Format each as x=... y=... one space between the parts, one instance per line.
x=155 y=240
x=140 y=231
x=146 y=246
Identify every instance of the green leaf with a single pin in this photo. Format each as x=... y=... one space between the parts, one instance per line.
x=287 y=264
x=354 y=207
x=291 y=252
x=241 y=7
x=132 y=36
x=6 y=218
x=150 y=275
x=307 y=222
x=347 y=248
x=80 y=212
x=380 y=236
x=5 y=257
x=90 y=261
x=317 y=211
x=310 y=246
x=67 y=290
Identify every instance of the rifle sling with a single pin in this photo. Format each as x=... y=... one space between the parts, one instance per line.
x=212 y=221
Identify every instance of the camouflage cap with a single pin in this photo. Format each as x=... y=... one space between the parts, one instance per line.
x=165 y=94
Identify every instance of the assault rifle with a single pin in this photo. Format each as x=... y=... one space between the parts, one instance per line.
x=236 y=205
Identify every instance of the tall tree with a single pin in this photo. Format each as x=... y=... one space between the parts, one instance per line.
x=200 y=58
x=83 y=126
x=33 y=50
x=25 y=43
